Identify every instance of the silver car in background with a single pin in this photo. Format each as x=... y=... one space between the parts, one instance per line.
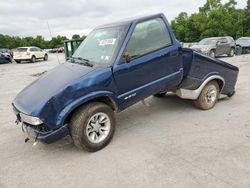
x=244 y=43
x=216 y=46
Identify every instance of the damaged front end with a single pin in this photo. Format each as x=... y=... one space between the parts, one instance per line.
x=37 y=130
x=38 y=105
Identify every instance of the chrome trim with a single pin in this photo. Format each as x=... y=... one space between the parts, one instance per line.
x=194 y=94
x=150 y=84
x=30 y=119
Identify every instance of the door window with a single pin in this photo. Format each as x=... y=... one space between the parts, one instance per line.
x=224 y=40
x=148 y=36
x=33 y=49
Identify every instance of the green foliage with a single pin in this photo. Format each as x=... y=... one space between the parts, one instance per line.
x=246 y=20
x=213 y=19
x=11 y=42
x=76 y=36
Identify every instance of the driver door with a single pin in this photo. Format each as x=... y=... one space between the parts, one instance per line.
x=221 y=46
x=152 y=63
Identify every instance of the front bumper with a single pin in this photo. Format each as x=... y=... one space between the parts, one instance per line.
x=41 y=132
x=46 y=136
x=205 y=52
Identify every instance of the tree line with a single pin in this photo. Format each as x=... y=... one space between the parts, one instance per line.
x=213 y=19
x=11 y=42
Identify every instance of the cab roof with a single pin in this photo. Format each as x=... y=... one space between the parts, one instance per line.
x=130 y=21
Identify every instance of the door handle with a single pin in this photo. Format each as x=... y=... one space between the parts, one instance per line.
x=174 y=54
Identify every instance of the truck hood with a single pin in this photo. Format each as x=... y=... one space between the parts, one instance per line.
x=34 y=96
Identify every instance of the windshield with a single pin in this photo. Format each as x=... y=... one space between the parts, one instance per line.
x=101 y=45
x=208 y=41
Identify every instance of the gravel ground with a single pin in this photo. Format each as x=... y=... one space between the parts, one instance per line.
x=168 y=144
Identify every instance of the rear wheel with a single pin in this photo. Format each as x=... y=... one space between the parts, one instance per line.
x=92 y=126
x=231 y=53
x=17 y=61
x=208 y=96
x=45 y=57
x=33 y=59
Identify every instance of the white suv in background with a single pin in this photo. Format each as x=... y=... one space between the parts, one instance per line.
x=31 y=54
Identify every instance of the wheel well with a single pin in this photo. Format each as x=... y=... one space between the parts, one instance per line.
x=232 y=47
x=212 y=50
x=107 y=100
x=220 y=83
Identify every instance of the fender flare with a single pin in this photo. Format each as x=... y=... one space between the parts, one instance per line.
x=80 y=101
x=194 y=94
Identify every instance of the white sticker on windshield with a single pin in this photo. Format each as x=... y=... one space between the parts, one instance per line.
x=107 y=42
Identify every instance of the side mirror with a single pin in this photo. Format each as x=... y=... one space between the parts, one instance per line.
x=125 y=58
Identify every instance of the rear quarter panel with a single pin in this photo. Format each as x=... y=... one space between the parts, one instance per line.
x=200 y=67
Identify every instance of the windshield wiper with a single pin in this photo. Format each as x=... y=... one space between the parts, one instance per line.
x=82 y=61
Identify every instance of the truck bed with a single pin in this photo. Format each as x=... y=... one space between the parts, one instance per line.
x=198 y=67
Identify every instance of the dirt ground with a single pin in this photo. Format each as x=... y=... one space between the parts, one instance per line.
x=168 y=144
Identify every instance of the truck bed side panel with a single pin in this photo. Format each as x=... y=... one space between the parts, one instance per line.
x=198 y=67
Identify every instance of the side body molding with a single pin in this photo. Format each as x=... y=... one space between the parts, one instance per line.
x=194 y=94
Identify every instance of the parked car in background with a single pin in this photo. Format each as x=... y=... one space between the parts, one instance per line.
x=31 y=54
x=244 y=43
x=4 y=58
x=60 y=50
x=6 y=52
x=216 y=46
x=57 y=50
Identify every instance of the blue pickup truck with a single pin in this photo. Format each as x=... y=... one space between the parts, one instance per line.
x=116 y=66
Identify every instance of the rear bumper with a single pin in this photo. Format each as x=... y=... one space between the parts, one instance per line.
x=48 y=136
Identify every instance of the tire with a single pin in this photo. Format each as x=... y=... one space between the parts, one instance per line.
x=45 y=57
x=85 y=128
x=33 y=59
x=160 y=94
x=208 y=96
x=212 y=54
x=232 y=52
x=18 y=62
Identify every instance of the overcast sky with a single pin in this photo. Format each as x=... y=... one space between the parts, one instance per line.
x=68 y=17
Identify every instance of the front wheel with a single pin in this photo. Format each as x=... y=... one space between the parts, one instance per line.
x=92 y=126
x=208 y=96
x=212 y=53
